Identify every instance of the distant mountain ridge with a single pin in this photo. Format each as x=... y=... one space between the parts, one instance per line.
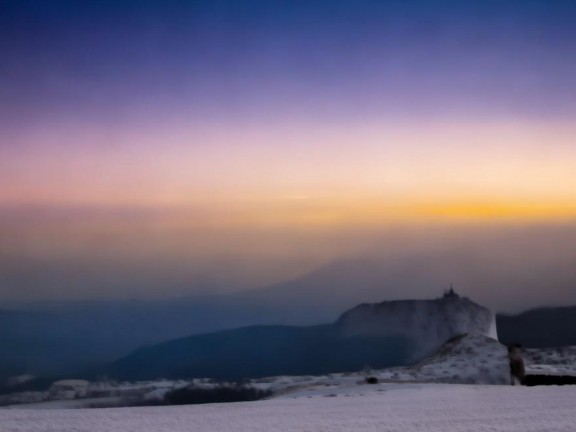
x=60 y=338
x=51 y=339
x=539 y=328
x=260 y=351
x=379 y=335
x=54 y=338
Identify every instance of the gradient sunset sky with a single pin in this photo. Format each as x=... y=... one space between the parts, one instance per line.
x=206 y=146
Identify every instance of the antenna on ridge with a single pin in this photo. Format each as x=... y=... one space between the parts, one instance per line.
x=450 y=292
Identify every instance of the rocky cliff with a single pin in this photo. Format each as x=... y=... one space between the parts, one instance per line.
x=427 y=323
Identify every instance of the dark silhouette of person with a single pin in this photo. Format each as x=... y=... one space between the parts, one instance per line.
x=517 y=370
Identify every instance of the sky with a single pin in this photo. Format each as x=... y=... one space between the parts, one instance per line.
x=154 y=148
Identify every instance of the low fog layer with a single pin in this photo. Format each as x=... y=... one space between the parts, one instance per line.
x=509 y=267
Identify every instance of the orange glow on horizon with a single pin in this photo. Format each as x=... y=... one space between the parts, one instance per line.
x=374 y=214
x=303 y=175
x=304 y=213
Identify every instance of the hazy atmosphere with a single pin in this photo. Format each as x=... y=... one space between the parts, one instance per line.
x=165 y=149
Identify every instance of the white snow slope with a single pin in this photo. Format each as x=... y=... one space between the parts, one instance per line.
x=359 y=408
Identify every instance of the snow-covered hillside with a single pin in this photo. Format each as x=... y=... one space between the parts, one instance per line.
x=473 y=359
x=428 y=323
x=466 y=359
x=360 y=408
x=551 y=361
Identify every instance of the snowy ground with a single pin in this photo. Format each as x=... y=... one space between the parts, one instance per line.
x=358 y=408
x=474 y=359
x=469 y=359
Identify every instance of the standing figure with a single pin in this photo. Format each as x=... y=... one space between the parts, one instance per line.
x=517 y=371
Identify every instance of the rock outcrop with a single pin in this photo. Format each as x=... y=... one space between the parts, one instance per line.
x=427 y=323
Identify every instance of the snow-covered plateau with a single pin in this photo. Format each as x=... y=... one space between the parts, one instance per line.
x=366 y=407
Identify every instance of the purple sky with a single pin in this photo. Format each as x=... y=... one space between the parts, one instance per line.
x=256 y=133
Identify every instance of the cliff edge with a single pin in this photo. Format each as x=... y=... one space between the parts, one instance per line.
x=427 y=323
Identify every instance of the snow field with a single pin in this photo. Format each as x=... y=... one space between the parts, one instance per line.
x=358 y=408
